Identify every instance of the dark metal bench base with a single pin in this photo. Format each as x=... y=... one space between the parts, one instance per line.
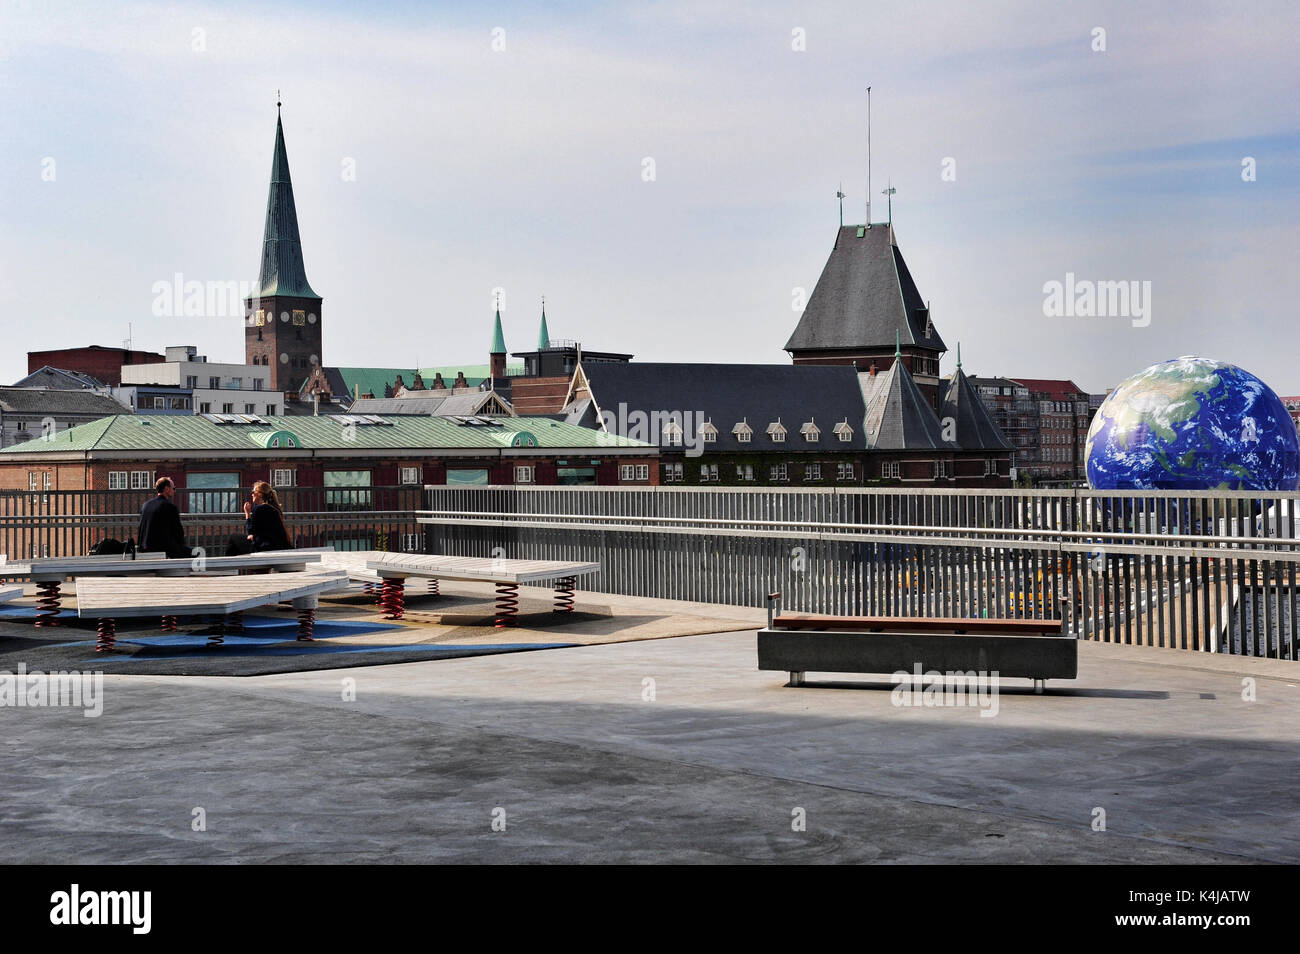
x=1022 y=657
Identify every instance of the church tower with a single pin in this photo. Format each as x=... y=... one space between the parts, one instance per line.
x=282 y=321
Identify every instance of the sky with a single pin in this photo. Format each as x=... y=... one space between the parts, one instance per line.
x=663 y=173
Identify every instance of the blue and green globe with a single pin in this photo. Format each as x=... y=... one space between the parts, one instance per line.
x=1193 y=424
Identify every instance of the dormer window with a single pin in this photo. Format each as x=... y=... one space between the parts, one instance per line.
x=776 y=431
x=671 y=434
x=708 y=432
x=844 y=431
x=743 y=432
x=811 y=432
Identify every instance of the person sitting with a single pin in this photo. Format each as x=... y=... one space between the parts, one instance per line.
x=264 y=520
x=160 y=523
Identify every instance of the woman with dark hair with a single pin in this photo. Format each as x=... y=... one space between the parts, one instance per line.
x=264 y=527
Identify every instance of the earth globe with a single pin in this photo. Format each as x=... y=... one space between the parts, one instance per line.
x=1193 y=424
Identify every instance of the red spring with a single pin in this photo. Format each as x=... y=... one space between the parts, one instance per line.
x=306 y=625
x=564 y=594
x=49 y=602
x=107 y=640
x=235 y=622
x=433 y=586
x=507 y=605
x=169 y=624
x=393 y=598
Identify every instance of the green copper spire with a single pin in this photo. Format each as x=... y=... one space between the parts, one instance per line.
x=543 y=335
x=283 y=272
x=898 y=353
x=498 y=337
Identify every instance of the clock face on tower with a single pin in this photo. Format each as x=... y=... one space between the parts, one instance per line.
x=300 y=318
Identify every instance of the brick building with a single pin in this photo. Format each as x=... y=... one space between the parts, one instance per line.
x=99 y=362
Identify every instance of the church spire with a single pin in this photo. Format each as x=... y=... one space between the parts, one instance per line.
x=497 y=350
x=283 y=272
x=543 y=335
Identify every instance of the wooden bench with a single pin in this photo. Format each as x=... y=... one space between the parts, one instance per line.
x=108 y=599
x=50 y=574
x=8 y=593
x=1012 y=648
x=508 y=575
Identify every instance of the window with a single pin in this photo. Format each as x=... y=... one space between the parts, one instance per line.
x=628 y=472
x=33 y=480
x=844 y=470
x=205 y=407
x=142 y=480
x=117 y=480
x=159 y=404
x=236 y=383
x=843 y=431
x=990 y=467
x=270 y=409
x=410 y=475
x=212 y=492
x=214 y=384
x=780 y=472
x=352 y=498
x=467 y=477
x=250 y=409
x=743 y=432
x=811 y=432
x=228 y=409
x=708 y=473
x=524 y=474
x=191 y=381
x=776 y=431
x=282 y=478
x=642 y=471
x=744 y=471
x=412 y=543
x=672 y=473
x=257 y=384
x=889 y=470
x=708 y=432
x=812 y=472
x=671 y=434
x=942 y=468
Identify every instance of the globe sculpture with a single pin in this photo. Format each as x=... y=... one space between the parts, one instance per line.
x=1193 y=424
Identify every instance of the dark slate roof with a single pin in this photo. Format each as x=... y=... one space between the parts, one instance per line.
x=439 y=403
x=898 y=417
x=283 y=272
x=54 y=401
x=726 y=394
x=992 y=382
x=61 y=379
x=975 y=428
x=865 y=295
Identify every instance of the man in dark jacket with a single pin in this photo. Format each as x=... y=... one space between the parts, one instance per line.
x=160 y=524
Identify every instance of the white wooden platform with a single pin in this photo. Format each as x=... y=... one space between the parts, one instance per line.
x=119 y=597
x=8 y=593
x=488 y=569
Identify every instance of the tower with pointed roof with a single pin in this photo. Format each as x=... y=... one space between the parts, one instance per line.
x=863 y=299
x=283 y=319
x=497 y=350
x=543 y=334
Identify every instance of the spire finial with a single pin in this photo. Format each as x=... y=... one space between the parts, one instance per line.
x=277 y=99
x=958 y=355
x=898 y=351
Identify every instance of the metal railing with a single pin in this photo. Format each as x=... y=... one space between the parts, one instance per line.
x=69 y=523
x=1211 y=571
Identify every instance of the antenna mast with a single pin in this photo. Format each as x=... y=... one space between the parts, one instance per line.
x=868 y=222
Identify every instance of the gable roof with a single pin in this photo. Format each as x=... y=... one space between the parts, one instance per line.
x=1059 y=389
x=726 y=394
x=57 y=401
x=865 y=296
x=898 y=417
x=974 y=427
x=128 y=433
x=442 y=403
x=59 y=378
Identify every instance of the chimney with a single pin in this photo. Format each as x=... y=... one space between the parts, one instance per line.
x=873 y=369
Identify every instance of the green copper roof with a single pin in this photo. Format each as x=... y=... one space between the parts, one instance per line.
x=498 y=338
x=543 y=335
x=166 y=434
x=283 y=272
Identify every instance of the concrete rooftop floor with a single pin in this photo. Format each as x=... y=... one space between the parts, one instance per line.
x=587 y=769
